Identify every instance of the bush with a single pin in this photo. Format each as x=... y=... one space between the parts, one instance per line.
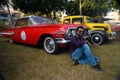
x=2 y=24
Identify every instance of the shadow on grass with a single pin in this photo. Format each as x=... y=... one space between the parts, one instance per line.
x=1 y=77
x=118 y=77
x=60 y=49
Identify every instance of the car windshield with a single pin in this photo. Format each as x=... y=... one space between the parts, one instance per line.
x=37 y=20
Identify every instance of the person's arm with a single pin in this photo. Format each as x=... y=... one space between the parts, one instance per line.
x=76 y=42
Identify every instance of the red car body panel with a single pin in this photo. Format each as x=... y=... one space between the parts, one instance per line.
x=33 y=33
x=115 y=27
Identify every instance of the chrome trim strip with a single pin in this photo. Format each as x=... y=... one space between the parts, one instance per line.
x=62 y=40
x=7 y=33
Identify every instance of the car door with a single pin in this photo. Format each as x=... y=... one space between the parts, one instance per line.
x=20 y=30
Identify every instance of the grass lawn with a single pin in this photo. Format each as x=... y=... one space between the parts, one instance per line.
x=23 y=62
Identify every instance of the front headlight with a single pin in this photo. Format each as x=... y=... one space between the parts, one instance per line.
x=73 y=32
x=70 y=32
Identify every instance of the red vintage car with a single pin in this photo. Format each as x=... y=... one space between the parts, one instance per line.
x=36 y=30
x=116 y=28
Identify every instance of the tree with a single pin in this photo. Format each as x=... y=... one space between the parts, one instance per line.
x=75 y=6
x=96 y=8
x=6 y=3
x=43 y=6
x=72 y=8
x=88 y=7
x=118 y=1
x=115 y=3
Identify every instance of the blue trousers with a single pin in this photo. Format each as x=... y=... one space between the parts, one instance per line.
x=85 y=56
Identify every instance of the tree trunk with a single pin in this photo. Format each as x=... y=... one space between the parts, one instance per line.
x=9 y=16
x=80 y=6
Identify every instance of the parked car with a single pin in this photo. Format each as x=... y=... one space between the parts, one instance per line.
x=100 y=32
x=116 y=28
x=35 y=30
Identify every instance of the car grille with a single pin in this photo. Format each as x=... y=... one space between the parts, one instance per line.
x=72 y=31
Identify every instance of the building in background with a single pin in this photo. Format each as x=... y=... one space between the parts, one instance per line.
x=113 y=16
x=4 y=15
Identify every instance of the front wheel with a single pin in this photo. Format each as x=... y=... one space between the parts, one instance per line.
x=97 y=39
x=50 y=45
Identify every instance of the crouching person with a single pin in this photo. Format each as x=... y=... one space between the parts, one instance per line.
x=81 y=52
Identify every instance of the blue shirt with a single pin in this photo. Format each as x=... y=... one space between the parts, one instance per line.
x=76 y=42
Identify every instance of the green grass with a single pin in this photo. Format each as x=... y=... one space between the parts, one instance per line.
x=23 y=62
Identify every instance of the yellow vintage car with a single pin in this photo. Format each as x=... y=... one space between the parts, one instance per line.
x=100 y=32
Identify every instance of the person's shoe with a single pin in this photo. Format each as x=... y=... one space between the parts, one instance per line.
x=75 y=63
x=97 y=67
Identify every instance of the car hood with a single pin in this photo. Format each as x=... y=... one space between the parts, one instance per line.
x=62 y=27
x=66 y=26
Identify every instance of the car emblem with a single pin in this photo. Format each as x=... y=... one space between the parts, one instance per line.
x=23 y=35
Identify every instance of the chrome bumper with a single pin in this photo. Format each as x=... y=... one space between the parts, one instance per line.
x=113 y=35
x=62 y=40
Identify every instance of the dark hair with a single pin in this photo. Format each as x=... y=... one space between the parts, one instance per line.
x=79 y=27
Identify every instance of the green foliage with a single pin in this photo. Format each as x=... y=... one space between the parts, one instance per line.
x=72 y=8
x=43 y=6
x=90 y=8
x=2 y=24
x=115 y=3
x=38 y=13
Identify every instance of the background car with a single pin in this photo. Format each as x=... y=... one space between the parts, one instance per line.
x=116 y=28
x=100 y=32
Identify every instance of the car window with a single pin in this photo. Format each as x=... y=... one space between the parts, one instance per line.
x=41 y=20
x=22 y=22
x=92 y=20
x=66 y=21
x=77 y=20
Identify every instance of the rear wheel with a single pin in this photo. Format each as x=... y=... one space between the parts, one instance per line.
x=50 y=45
x=97 y=39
